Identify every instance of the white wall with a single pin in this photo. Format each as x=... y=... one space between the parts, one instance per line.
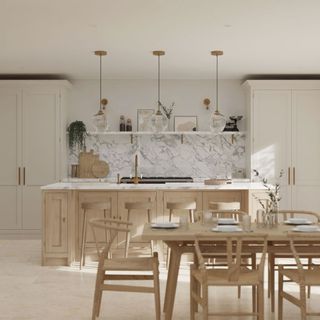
x=126 y=96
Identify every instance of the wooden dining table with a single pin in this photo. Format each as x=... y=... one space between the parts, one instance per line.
x=181 y=240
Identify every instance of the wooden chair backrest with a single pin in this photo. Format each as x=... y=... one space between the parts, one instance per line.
x=234 y=244
x=224 y=206
x=296 y=240
x=106 y=205
x=286 y=214
x=112 y=227
x=188 y=205
x=147 y=205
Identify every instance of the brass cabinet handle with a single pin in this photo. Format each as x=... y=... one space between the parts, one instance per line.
x=63 y=219
x=19 y=176
x=24 y=176
x=289 y=178
x=294 y=175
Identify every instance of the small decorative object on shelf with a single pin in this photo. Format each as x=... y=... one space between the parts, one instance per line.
x=129 y=125
x=122 y=124
x=185 y=123
x=232 y=125
x=77 y=135
x=271 y=204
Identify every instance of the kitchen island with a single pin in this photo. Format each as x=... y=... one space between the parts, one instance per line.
x=62 y=213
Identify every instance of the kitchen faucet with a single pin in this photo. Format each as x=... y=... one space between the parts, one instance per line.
x=135 y=178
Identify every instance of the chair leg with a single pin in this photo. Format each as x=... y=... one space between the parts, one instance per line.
x=126 y=251
x=192 y=290
x=271 y=280
x=261 y=301
x=205 y=301
x=97 y=294
x=280 y=296
x=156 y=286
x=168 y=249
x=309 y=267
x=254 y=288
x=239 y=292
x=303 y=301
x=83 y=239
x=191 y=216
x=151 y=241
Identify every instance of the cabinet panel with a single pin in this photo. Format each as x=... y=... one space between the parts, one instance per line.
x=55 y=222
x=305 y=137
x=40 y=136
x=180 y=196
x=9 y=210
x=272 y=133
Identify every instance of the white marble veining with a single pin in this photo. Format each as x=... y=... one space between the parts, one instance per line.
x=201 y=156
x=90 y=185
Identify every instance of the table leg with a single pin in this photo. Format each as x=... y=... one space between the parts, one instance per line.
x=172 y=280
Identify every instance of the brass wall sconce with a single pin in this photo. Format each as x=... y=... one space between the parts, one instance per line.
x=206 y=103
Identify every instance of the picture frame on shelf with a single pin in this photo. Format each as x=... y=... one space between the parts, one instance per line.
x=185 y=123
x=143 y=119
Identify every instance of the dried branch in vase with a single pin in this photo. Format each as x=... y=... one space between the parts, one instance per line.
x=167 y=110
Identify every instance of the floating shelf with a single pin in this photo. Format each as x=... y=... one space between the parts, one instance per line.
x=173 y=133
x=141 y=133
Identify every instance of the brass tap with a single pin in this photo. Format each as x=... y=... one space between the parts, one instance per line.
x=136 y=178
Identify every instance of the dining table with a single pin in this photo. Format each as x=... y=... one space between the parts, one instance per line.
x=181 y=240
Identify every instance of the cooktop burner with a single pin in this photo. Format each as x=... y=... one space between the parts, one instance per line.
x=157 y=179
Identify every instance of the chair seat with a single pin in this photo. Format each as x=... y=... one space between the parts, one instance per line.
x=220 y=277
x=129 y=264
x=312 y=277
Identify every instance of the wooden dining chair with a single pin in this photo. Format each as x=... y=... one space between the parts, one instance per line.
x=142 y=208
x=87 y=207
x=281 y=250
x=301 y=276
x=128 y=268
x=234 y=274
x=230 y=210
x=189 y=206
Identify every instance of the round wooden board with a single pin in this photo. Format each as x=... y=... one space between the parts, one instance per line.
x=100 y=169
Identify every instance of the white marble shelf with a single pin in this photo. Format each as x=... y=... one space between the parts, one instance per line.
x=166 y=133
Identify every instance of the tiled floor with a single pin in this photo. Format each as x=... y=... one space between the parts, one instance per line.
x=29 y=291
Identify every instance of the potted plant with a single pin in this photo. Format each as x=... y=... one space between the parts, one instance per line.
x=77 y=135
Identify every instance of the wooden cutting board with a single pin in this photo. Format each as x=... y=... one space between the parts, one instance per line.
x=100 y=169
x=86 y=161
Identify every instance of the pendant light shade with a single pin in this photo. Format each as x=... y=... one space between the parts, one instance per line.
x=159 y=122
x=218 y=120
x=100 y=118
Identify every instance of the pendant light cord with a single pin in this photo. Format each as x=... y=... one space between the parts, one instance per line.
x=217 y=83
x=159 y=83
x=100 y=83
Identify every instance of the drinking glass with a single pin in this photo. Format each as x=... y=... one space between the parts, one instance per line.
x=246 y=223
x=183 y=220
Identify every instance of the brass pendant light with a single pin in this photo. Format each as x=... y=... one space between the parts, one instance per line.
x=218 y=120
x=159 y=122
x=100 y=118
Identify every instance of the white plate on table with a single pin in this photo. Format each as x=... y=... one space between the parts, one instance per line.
x=227 y=221
x=305 y=228
x=298 y=221
x=165 y=225
x=227 y=228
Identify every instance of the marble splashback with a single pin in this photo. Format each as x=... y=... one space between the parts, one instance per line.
x=200 y=156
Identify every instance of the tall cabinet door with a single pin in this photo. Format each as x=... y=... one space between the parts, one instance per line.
x=306 y=149
x=40 y=149
x=272 y=137
x=10 y=191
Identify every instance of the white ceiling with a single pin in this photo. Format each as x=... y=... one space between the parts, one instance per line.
x=258 y=37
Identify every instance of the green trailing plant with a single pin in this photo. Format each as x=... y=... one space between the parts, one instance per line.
x=77 y=135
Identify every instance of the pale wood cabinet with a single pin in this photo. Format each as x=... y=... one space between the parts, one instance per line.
x=283 y=125
x=55 y=226
x=32 y=130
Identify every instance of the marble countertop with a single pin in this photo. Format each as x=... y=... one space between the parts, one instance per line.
x=94 y=185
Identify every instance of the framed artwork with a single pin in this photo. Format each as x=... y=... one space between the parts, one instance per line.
x=143 y=119
x=185 y=123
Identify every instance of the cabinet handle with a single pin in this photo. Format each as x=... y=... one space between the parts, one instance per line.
x=63 y=219
x=24 y=176
x=294 y=175
x=289 y=177
x=19 y=176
